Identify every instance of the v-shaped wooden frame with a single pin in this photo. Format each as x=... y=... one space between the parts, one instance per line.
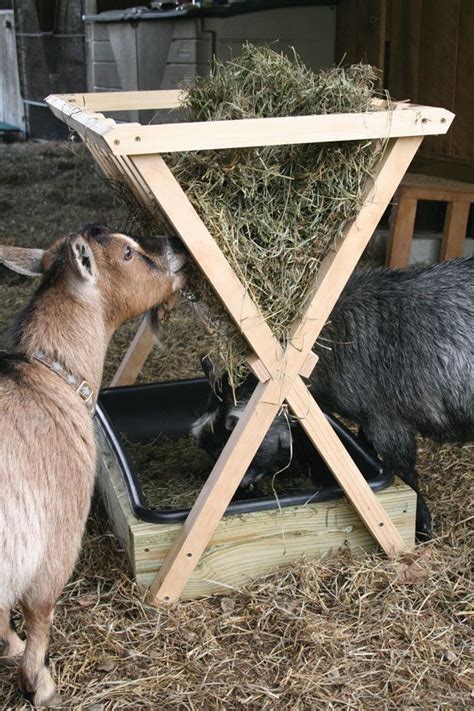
x=131 y=152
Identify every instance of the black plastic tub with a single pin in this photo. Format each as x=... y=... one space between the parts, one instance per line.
x=143 y=413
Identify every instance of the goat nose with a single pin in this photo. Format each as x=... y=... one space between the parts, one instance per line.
x=176 y=245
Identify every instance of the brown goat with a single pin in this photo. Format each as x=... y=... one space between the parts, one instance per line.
x=91 y=283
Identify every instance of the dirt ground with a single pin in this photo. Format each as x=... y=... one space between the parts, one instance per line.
x=342 y=632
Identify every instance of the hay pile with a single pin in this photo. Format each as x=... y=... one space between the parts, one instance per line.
x=337 y=633
x=274 y=211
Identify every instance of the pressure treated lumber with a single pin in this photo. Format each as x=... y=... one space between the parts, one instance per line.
x=246 y=546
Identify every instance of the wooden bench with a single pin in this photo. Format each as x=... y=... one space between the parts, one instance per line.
x=459 y=197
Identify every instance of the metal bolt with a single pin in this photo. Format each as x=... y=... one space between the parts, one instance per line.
x=138 y=138
x=116 y=142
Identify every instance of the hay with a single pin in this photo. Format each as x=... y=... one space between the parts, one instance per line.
x=341 y=632
x=274 y=211
x=172 y=472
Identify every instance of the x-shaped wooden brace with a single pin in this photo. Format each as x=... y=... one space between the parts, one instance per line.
x=131 y=151
x=279 y=370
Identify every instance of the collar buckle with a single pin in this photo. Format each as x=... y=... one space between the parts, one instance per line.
x=85 y=391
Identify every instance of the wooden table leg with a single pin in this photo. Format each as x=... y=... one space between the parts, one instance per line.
x=454 y=234
x=401 y=233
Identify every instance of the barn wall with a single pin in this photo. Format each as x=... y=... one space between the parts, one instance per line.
x=426 y=53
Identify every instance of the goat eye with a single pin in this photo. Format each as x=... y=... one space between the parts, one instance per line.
x=128 y=252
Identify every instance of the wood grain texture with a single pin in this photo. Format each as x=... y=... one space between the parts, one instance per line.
x=247 y=546
x=402 y=74
x=126 y=100
x=454 y=233
x=462 y=134
x=11 y=103
x=153 y=182
x=135 y=357
x=401 y=233
x=134 y=139
x=438 y=62
x=360 y=496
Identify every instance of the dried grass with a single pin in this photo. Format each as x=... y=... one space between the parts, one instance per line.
x=172 y=472
x=274 y=211
x=338 y=633
x=341 y=632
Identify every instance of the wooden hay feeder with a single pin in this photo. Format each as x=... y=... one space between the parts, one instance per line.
x=131 y=152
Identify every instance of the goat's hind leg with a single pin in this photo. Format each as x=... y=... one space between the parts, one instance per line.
x=36 y=679
x=11 y=646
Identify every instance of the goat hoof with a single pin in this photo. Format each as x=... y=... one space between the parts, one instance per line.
x=38 y=701
x=53 y=702
x=424 y=534
x=44 y=696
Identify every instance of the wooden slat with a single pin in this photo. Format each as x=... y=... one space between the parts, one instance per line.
x=346 y=32
x=462 y=136
x=126 y=100
x=217 y=493
x=401 y=233
x=438 y=61
x=12 y=110
x=135 y=357
x=133 y=139
x=429 y=187
x=337 y=266
x=454 y=234
x=402 y=75
x=371 y=32
x=91 y=127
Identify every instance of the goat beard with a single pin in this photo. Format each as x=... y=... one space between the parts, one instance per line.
x=159 y=314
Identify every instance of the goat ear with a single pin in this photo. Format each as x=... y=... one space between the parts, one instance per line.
x=22 y=261
x=208 y=369
x=82 y=258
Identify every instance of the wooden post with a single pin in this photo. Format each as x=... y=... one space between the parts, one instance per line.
x=455 y=226
x=135 y=357
x=401 y=232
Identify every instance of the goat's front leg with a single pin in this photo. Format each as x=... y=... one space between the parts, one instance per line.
x=11 y=646
x=37 y=681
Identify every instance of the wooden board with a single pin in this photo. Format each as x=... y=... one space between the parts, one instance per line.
x=246 y=546
x=406 y=121
x=11 y=104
